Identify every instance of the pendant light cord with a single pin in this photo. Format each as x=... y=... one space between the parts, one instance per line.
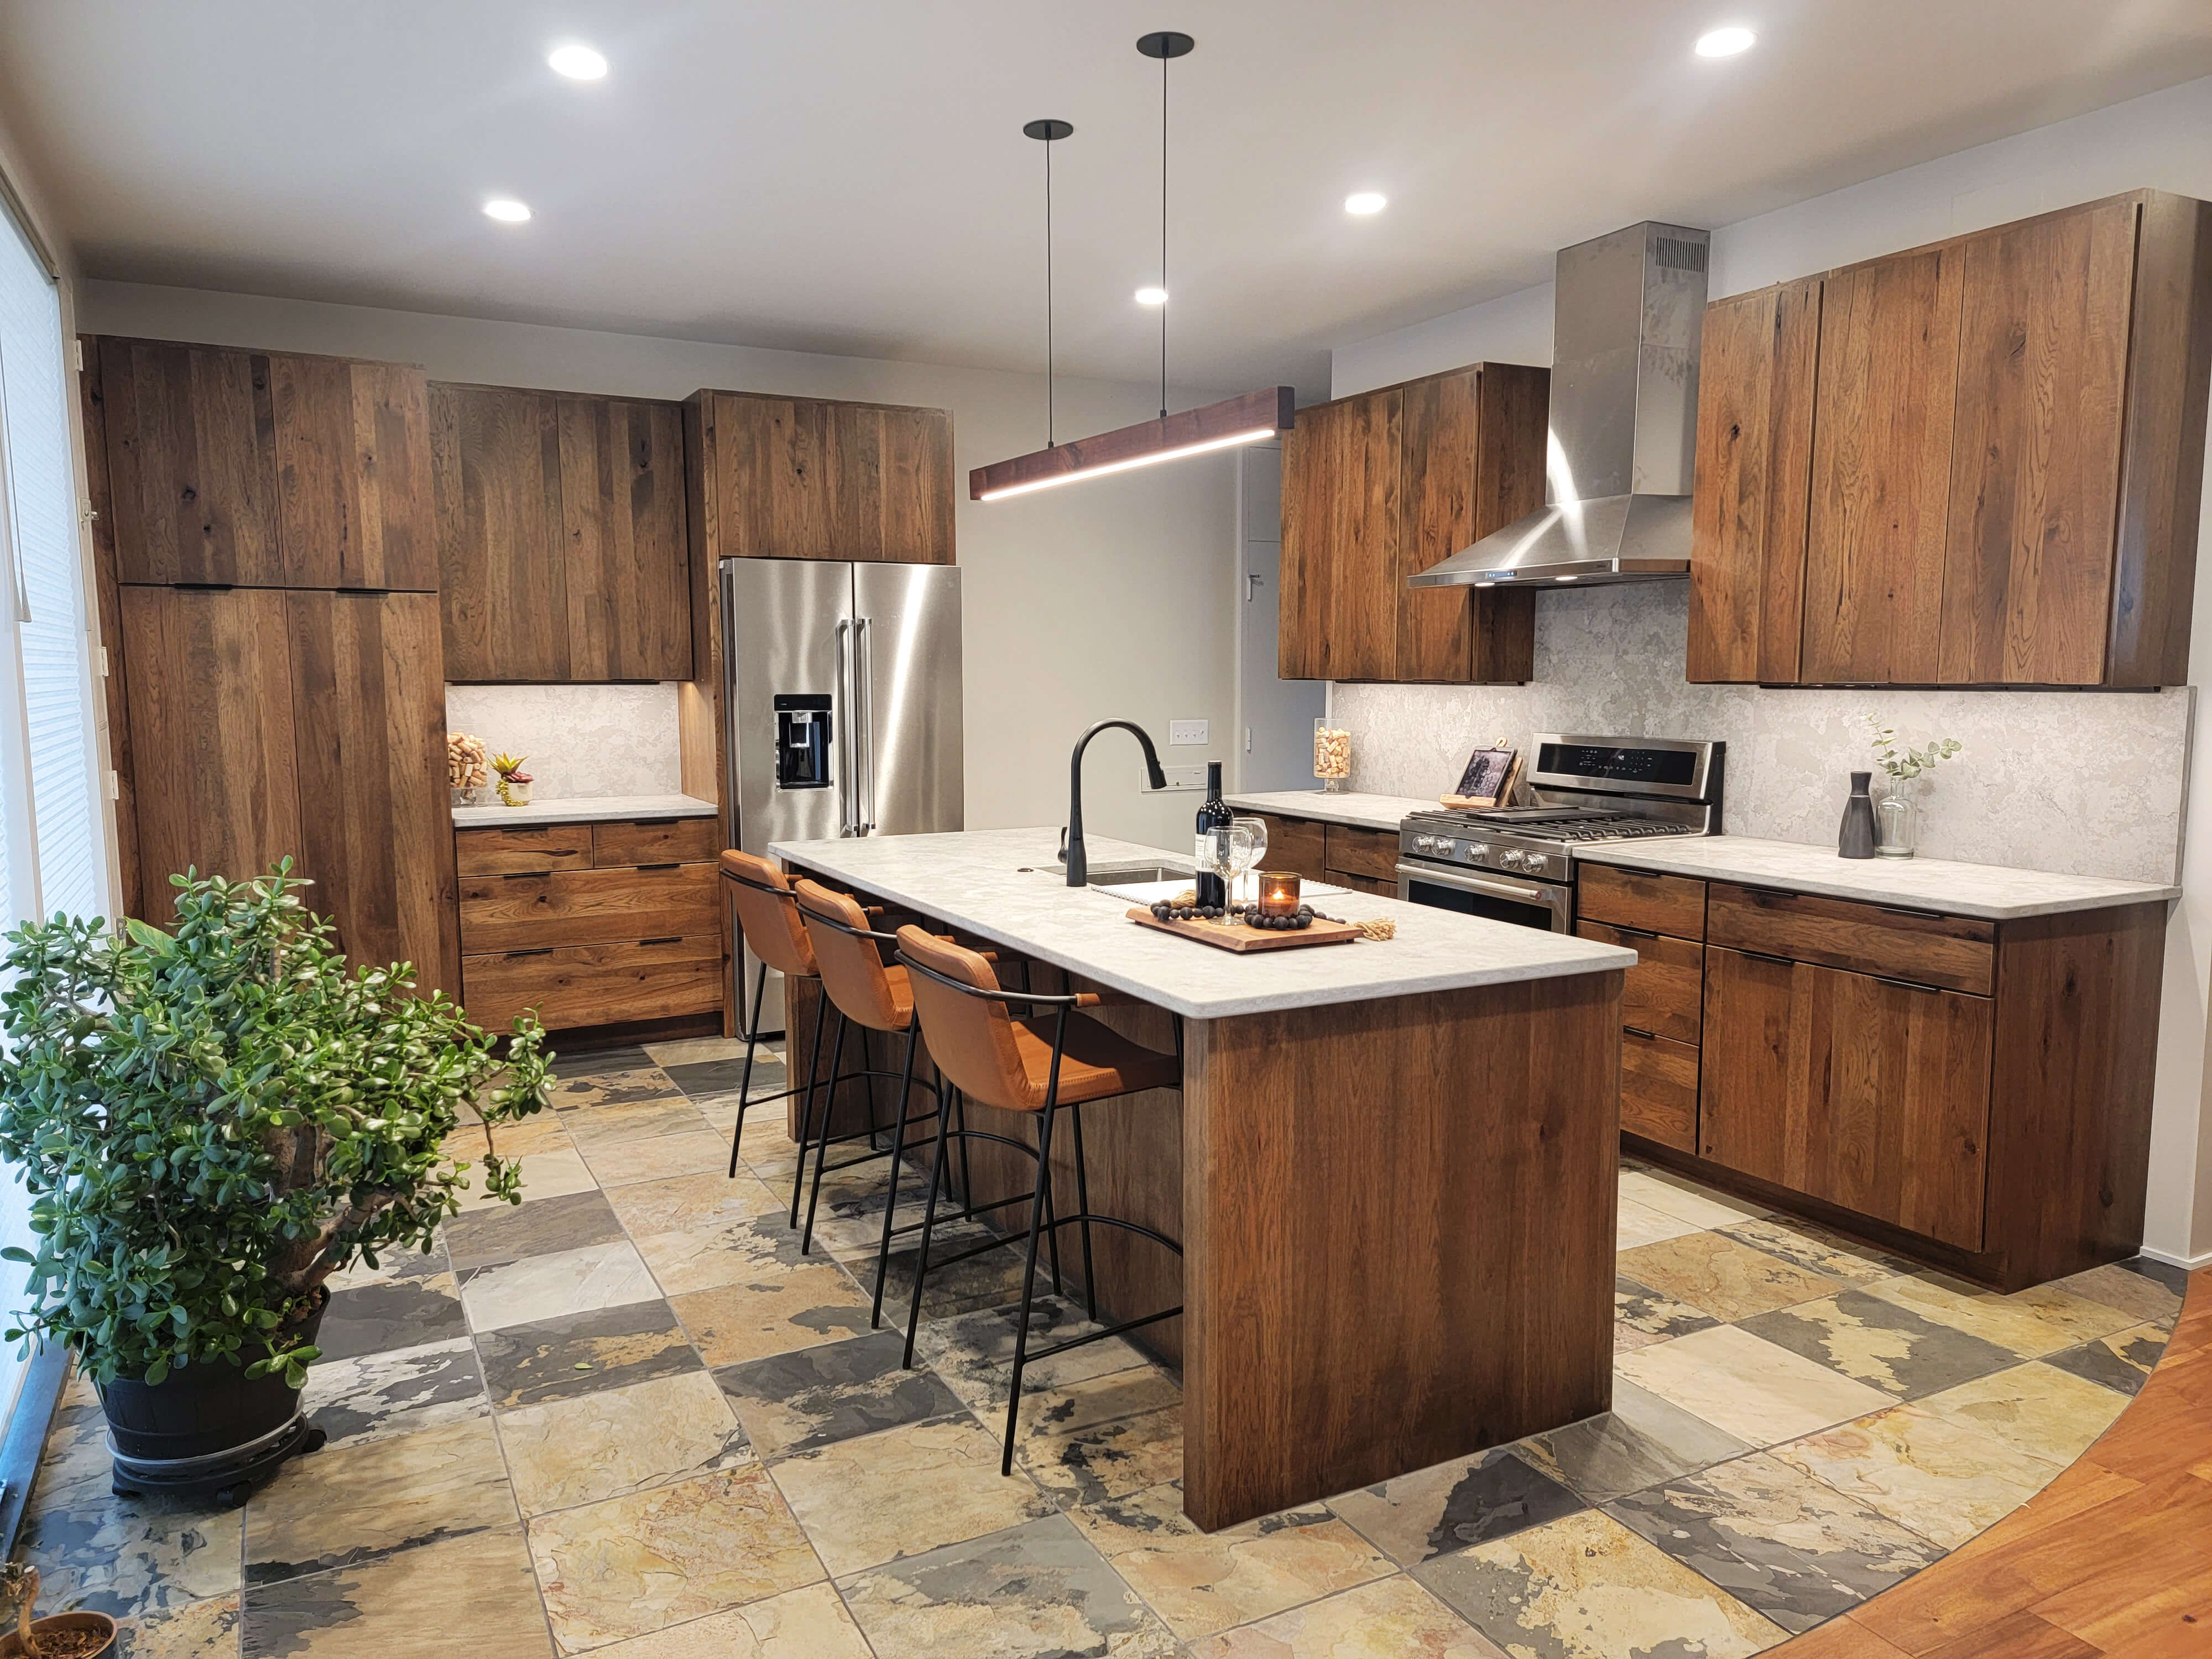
x=1050 y=443
x=1164 y=289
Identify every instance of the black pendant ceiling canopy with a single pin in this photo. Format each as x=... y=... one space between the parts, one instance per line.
x=1248 y=419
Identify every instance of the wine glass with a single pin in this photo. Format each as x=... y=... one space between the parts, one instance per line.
x=1257 y=829
x=1226 y=852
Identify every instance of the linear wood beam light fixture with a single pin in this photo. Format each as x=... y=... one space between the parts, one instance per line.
x=1249 y=418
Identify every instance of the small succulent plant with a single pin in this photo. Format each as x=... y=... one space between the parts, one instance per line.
x=509 y=767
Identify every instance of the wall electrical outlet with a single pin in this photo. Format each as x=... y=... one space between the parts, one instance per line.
x=1184 y=734
x=1178 y=777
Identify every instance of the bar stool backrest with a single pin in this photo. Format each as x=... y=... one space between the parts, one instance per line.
x=970 y=1038
x=851 y=965
x=768 y=914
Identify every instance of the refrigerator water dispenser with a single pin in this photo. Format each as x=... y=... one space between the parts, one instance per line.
x=802 y=741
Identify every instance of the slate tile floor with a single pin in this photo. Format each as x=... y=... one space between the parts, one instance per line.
x=629 y=1418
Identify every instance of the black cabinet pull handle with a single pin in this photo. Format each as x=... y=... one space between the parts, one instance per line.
x=1633 y=933
x=1900 y=910
x=516 y=956
x=1906 y=985
x=522 y=875
x=672 y=938
x=1637 y=1030
x=1761 y=956
x=659 y=866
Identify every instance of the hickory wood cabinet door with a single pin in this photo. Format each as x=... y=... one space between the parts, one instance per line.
x=628 y=568
x=191 y=463
x=813 y=478
x=1881 y=468
x=210 y=703
x=368 y=726
x=1754 y=450
x=1870 y=1094
x=352 y=450
x=2042 y=377
x=496 y=455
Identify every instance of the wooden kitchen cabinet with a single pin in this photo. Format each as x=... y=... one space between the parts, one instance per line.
x=1295 y=845
x=266 y=724
x=628 y=575
x=814 y=478
x=1869 y=1094
x=2003 y=444
x=1382 y=485
x=1881 y=468
x=1753 y=483
x=561 y=535
x=265 y=469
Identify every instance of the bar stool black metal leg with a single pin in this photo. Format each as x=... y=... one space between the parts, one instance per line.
x=1083 y=1212
x=806 y=1105
x=967 y=1177
x=829 y=1117
x=928 y=1223
x=1038 y=1207
x=745 y=1083
x=898 y=1154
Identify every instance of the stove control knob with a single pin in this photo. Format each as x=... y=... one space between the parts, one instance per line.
x=1514 y=858
x=1477 y=851
x=1425 y=844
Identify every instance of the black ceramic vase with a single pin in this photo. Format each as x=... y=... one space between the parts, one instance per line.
x=1857 y=838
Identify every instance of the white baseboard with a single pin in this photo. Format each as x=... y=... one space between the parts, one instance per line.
x=2190 y=1262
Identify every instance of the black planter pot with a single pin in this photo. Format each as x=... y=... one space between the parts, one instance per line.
x=206 y=1430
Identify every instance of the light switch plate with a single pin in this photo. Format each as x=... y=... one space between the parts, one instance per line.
x=1178 y=777
x=1182 y=734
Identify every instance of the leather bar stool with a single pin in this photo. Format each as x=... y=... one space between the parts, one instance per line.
x=1042 y=1064
x=768 y=916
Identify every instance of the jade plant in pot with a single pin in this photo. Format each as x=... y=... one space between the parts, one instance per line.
x=212 y=1119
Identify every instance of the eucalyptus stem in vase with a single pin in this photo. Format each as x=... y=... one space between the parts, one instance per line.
x=1900 y=765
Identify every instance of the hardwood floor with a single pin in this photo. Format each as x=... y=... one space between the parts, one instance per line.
x=2114 y=1558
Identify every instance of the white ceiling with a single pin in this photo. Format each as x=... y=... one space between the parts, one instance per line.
x=850 y=176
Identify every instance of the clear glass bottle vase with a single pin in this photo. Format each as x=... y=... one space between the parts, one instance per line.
x=1893 y=818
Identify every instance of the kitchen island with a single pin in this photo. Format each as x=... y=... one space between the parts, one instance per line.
x=1391 y=1165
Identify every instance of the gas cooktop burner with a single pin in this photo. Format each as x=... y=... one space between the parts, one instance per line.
x=1570 y=825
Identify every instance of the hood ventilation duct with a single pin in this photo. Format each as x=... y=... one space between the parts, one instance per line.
x=1624 y=420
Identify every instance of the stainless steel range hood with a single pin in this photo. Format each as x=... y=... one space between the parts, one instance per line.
x=1624 y=424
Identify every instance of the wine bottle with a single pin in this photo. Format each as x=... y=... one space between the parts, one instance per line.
x=1212 y=816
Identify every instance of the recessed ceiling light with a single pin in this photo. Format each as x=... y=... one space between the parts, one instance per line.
x=1365 y=201
x=1726 y=42
x=507 y=210
x=577 y=62
x=1152 y=296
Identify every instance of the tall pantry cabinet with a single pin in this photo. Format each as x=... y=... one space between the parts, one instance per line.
x=267 y=562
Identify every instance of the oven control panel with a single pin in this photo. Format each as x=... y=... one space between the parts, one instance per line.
x=1500 y=854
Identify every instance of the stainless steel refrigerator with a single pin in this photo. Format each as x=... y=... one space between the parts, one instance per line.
x=843 y=705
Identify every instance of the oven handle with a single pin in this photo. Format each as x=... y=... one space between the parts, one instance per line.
x=1475 y=884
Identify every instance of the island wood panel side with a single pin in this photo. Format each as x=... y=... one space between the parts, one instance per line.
x=1346 y=1320
x=2077 y=1007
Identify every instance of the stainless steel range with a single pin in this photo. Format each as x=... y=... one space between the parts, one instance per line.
x=1516 y=863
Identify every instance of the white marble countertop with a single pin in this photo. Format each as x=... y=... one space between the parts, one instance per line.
x=1006 y=886
x=585 y=809
x=1988 y=891
x=1365 y=811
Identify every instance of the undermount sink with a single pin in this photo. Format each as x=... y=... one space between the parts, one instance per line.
x=1124 y=875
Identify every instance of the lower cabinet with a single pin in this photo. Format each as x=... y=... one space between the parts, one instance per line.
x=1870 y=1094
x=1294 y=845
x=310 y=724
x=591 y=924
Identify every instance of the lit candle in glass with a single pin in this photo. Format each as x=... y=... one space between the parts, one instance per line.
x=1279 y=893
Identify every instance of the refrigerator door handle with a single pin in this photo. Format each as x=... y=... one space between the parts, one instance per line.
x=864 y=671
x=848 y=817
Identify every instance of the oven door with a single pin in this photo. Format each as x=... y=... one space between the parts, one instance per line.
x=1545 y=904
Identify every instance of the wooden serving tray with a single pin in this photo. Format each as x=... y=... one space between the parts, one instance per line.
x=1236 y=936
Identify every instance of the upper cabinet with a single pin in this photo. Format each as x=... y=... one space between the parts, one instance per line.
x=809 y=478
x=561 y=535
x=1380 y=486
x=1973 y=464
x=255 y=469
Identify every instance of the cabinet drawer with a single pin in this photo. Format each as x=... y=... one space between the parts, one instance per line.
x=1659 y=1091
x=1956 y=952
x=525 y=847
x=1361 y=852
x=587 y=907
x=595 y=984
x=657 y=840
x=1630 y=898
x=1664 y=993
x=1294 y=844
x=1382 y=887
